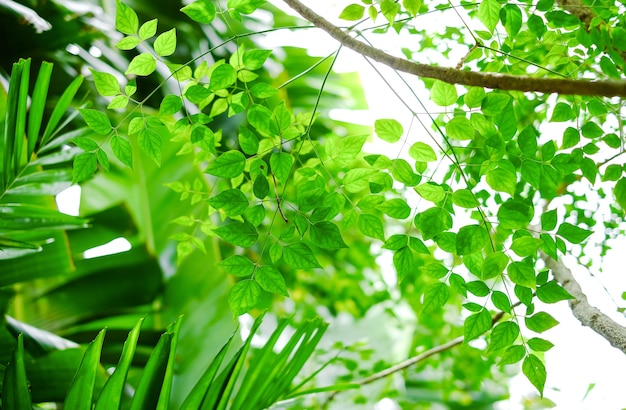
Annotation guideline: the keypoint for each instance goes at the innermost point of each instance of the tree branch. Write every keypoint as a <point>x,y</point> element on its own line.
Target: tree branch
<point>588,315</point>
<point>604,88</point>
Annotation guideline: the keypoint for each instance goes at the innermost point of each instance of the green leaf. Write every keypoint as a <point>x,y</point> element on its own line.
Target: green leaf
<point>501,301</point>
<point>126,20</point>
<point>464,198</point>
<point>525,246</point>
<point>522,274</point>
<point>477,324</point>
<point>106,83</point>
<point>300,256</point>
<point>85,166</point>
<point>489,14</point>
<point>433,221</point>
<point>148,29</point>
<point>552,292</point>
<point>502,336</point>
<point>434,270</point>
<point>326,235</point>
<point>412,6</point>
<point>222,77</point>
<point>431,192</point>
<point>539,345</point>
<point>540,322</point>
<point>396,208</point>
<point>260,187</point>
<point>352,12</point>
<point>259,117</point>
<point>248,142</point>
<point>142,64</point>
<point>515,214</point>
<point>118,102</point>
<point>232,201</point>
<point>358,179</point>
<point>244,296</point>
<point>494,103</point>
<point>165,43</point>
<point>422,152</point>
<point>403,261</point>
<point>238,233</point>
<point>396,242</point>
<point>435,296</point>
<point>494,265</point>
<point>535,371</point>
<point>254,59</point>
<point>511,16</point>
<point>443,94</point>
<point>502,180</point>
<point>122,150</point>
<point>388,130</point>
<point>513,355</point>
<point>237,265</point>
<point>127,43</point>
<point>97,121</point>
<point>371,226</point>
<point>80,393</point>
<point>150,142</point>
<point>620,192</point>
<point>201,11</point>
<point>549,220</point>
<point>270,279</point>
<point>470,239</point>
<point>281,163</point>
<point>230,164</point>
<point>15,391</point>
<point>562,112</point>
<point>572,233</point>
<point>460,128</point>
<point>111,394</point>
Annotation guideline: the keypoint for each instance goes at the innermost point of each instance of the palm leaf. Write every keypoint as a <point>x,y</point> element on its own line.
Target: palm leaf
<point>15,393</point>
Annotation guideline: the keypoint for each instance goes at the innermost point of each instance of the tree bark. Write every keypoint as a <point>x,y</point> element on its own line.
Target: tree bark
<point>601,88</point>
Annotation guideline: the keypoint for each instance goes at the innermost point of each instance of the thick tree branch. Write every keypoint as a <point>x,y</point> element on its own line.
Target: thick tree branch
<point>588,315</point>
<point>604,88</point>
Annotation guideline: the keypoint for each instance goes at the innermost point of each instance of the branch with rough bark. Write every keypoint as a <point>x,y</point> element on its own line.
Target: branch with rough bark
<point>602,88</point>
<point>587,314</point>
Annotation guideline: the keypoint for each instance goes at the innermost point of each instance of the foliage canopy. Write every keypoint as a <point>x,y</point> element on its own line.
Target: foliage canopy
<point>220,163</point>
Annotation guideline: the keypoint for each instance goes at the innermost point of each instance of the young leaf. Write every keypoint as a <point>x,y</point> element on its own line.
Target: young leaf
<point>85,166</point>
<point>513,355</point>
<point>232,201</point>
<point>396,208</point>
<point>503,336</point>
<point>435,296</point>
<point>477,324</point>
<point>300,256</point>
<point>96,120</point>
<point>244,296</point>
<point>238,233</point>
<point>106,83</point>
<point>165,43</point>
<point>222,77</point>
<point>127,43</point>
<point>230,164</point>
<point>460,128</point>
<point>15,391</point>
<point>489,14</point>
<point>539,345</point>
<point>126,20</point>
<point>572,233</point>
<point>371,226</point>
<point>443,94</point>
<point>148,29</point>
<point>535,371</point>
<point>270,279</point>
<point>388,130</point>
<point>470,239</point>
<point>501,301</point>
<point>281,163</point>
<point>552,292</point>
<point>403,261</point>
<point>422,152</point>
<point>150,142</point>
<point>326,235</point>
<point>237,265</point>
<point>352,12</point>
<point>540,322</point>
<point>142,64</point>
<point>122,150</point>
<point>434,270</point>
<point>254,59</point>
<point>522,274</point>
<point>201,11</point>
